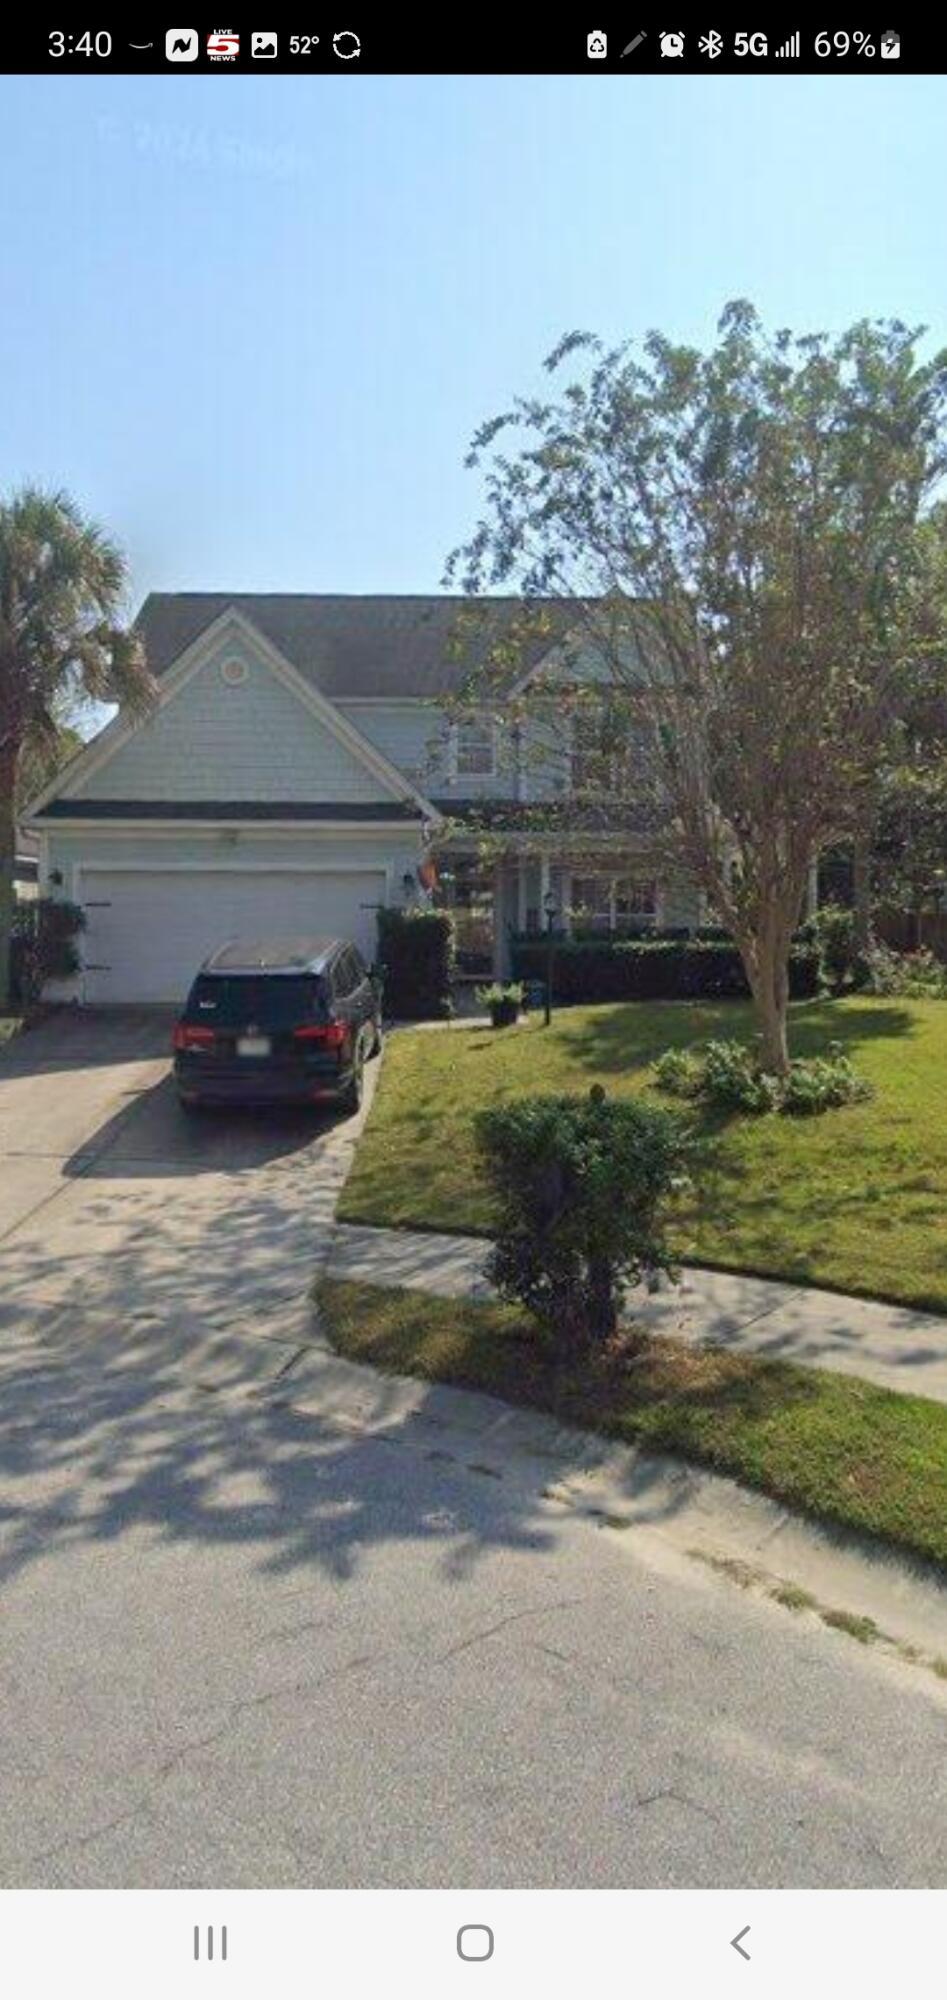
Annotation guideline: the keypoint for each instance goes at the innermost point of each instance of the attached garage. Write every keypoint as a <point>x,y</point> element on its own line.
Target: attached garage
<point>148,929</point>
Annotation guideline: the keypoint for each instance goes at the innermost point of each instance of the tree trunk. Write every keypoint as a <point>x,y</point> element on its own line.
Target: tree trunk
<point>769,985</point>
<point>8,769</point>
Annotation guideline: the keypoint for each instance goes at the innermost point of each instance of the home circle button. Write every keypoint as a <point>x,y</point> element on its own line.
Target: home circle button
<point>475,1942</point>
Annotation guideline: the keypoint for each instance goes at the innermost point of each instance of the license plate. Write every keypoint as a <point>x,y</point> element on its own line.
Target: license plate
<point>253,1045</point>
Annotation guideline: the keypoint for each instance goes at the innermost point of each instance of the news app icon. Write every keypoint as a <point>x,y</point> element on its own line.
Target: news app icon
<point>181,45</point>
<point>223,45</point>
<point>263,47</point>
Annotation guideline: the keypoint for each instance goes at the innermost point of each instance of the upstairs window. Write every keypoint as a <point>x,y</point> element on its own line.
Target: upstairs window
<point>601,751</point>
<point>474,747</point>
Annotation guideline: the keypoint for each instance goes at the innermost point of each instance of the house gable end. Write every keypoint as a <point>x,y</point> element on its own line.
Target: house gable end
<point>234,720</point>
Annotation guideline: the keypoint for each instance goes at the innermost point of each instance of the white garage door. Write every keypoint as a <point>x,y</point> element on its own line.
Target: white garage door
<point>149,929</point>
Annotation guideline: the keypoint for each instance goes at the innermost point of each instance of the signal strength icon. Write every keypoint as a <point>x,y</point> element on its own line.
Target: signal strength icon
<point>789,51</point>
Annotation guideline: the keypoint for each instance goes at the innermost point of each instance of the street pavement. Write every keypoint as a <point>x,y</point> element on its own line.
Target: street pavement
<point>251,1642</point>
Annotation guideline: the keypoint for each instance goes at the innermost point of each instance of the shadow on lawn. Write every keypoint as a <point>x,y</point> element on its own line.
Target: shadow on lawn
<point>629,1034</point>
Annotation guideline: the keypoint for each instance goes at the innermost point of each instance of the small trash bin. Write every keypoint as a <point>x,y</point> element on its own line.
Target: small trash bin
<point>534,994</point>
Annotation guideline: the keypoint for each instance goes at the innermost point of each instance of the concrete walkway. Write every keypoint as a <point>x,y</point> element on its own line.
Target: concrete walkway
<point>885,1344</point>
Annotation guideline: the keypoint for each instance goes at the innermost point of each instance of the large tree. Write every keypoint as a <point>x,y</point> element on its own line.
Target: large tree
<point>736,532</point>
<point>62,587</point>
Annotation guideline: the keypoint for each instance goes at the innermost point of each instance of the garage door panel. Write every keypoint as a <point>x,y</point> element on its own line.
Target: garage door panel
<point>149,929</point>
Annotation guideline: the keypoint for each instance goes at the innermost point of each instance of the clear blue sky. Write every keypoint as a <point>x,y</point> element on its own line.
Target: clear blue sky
<point>251,323</point>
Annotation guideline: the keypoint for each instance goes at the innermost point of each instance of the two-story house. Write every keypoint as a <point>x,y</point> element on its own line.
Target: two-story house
<point>300,768</point>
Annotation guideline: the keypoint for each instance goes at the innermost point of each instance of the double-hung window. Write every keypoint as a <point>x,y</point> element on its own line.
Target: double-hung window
<point>474,747</point>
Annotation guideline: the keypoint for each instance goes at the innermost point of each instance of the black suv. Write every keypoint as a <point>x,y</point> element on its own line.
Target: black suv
<point>288,1022</point>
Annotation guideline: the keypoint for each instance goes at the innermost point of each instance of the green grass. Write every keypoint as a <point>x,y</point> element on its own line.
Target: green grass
<point>828,1445</point>
<point>855,1199</point>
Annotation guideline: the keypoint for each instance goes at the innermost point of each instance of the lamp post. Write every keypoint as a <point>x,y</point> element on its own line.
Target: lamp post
<point>549,908</point>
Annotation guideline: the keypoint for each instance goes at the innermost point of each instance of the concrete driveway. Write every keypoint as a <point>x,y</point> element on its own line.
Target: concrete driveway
<point>125,1221</point>
<point>248,1640</point>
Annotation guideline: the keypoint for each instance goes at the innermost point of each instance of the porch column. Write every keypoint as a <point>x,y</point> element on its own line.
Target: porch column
<point>521,886</point>
<point>499,921</point>
<point>544,878</point>
<point>812,890</point>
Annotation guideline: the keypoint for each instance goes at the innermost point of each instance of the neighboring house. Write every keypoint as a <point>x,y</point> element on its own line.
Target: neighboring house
<point>298,772</point>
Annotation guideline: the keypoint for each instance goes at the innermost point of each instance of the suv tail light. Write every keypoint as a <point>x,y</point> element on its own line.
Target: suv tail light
<point>187,1037</point>
<point>331,1034</point>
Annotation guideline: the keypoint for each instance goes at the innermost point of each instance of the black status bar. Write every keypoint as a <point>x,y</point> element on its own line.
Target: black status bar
<point>342,44</point>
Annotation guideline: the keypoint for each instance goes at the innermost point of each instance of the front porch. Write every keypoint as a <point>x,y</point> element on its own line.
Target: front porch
<point>517,893</point>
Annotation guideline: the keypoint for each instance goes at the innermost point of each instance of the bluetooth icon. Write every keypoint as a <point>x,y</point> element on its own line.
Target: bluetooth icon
<point>711,45</point>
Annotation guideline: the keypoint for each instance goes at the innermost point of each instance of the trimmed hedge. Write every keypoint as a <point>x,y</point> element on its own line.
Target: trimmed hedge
<point>416,960</point>
<point>652,969</point>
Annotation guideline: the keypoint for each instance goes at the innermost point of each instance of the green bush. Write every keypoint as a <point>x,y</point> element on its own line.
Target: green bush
<point>654,968</point>
<point>906,975</point>
<point>43,946</point>
<point>416,959</point>
<point>680,1072</point>
<point>728,1074</point>
<point>580,1186</point>
<point>497,994</point>
<point>734,1079</point>
<point>830,932</point>
<point>819,1083</point>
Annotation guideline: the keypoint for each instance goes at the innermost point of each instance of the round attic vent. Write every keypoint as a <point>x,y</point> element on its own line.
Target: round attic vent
<point>234,672</point>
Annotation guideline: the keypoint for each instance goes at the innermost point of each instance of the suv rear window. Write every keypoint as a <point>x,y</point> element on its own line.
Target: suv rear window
<point>281,1000</point>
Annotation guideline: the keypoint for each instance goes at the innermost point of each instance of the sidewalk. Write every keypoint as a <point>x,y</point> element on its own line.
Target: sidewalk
<point>889,1345</point>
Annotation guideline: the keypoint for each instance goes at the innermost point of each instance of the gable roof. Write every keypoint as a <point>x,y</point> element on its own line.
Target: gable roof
<point>368,647</point>
<point>230,621</point>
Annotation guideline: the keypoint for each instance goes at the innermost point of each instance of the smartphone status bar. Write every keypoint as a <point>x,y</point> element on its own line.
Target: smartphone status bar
<point>347,46</point>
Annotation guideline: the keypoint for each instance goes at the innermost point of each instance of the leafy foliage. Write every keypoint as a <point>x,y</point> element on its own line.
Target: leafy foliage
<point>62,584</point>
<point>830,931</point>
<point>736,533</point>
<point>497,994</point>
<point>728,1074</point>
<point>910,975</point>
<point>580,1186</point>
<point>654,969</point>
<point>416,957</point>
<point>43,946</point>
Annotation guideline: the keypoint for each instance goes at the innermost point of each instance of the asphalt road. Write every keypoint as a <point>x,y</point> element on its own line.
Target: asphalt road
<point>241,1646</point>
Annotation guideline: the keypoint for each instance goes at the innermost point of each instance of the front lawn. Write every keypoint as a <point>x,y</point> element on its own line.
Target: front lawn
<point>832,1447</point>
<point>855,1199</point>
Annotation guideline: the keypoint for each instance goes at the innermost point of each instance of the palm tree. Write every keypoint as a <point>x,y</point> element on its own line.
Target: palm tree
<point>62,582</point>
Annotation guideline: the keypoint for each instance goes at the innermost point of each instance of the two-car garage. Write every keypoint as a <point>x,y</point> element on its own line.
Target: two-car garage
<point>148,929</point>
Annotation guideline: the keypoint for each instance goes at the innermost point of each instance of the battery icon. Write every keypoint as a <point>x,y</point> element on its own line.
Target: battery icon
<point>890,46</point>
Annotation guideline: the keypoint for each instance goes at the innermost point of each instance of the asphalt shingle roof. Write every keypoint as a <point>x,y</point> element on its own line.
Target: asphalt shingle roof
<point>358,646</point>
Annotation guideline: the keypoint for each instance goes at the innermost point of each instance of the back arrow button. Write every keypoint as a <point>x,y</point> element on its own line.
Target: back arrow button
<point>737,1946</point>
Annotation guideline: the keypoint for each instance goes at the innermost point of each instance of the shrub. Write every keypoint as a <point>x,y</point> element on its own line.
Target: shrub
<point>734,1079</point>
<point>830,932</point>
<point>496,995</point>
<point>819,1083</point>
<point>416,959</point>
<point>907,975</point>
<point>680,1072</point>
<point>580,1185</point>
<point>654,968</point>
<point>728,1074</point>
<point>43,946</point>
